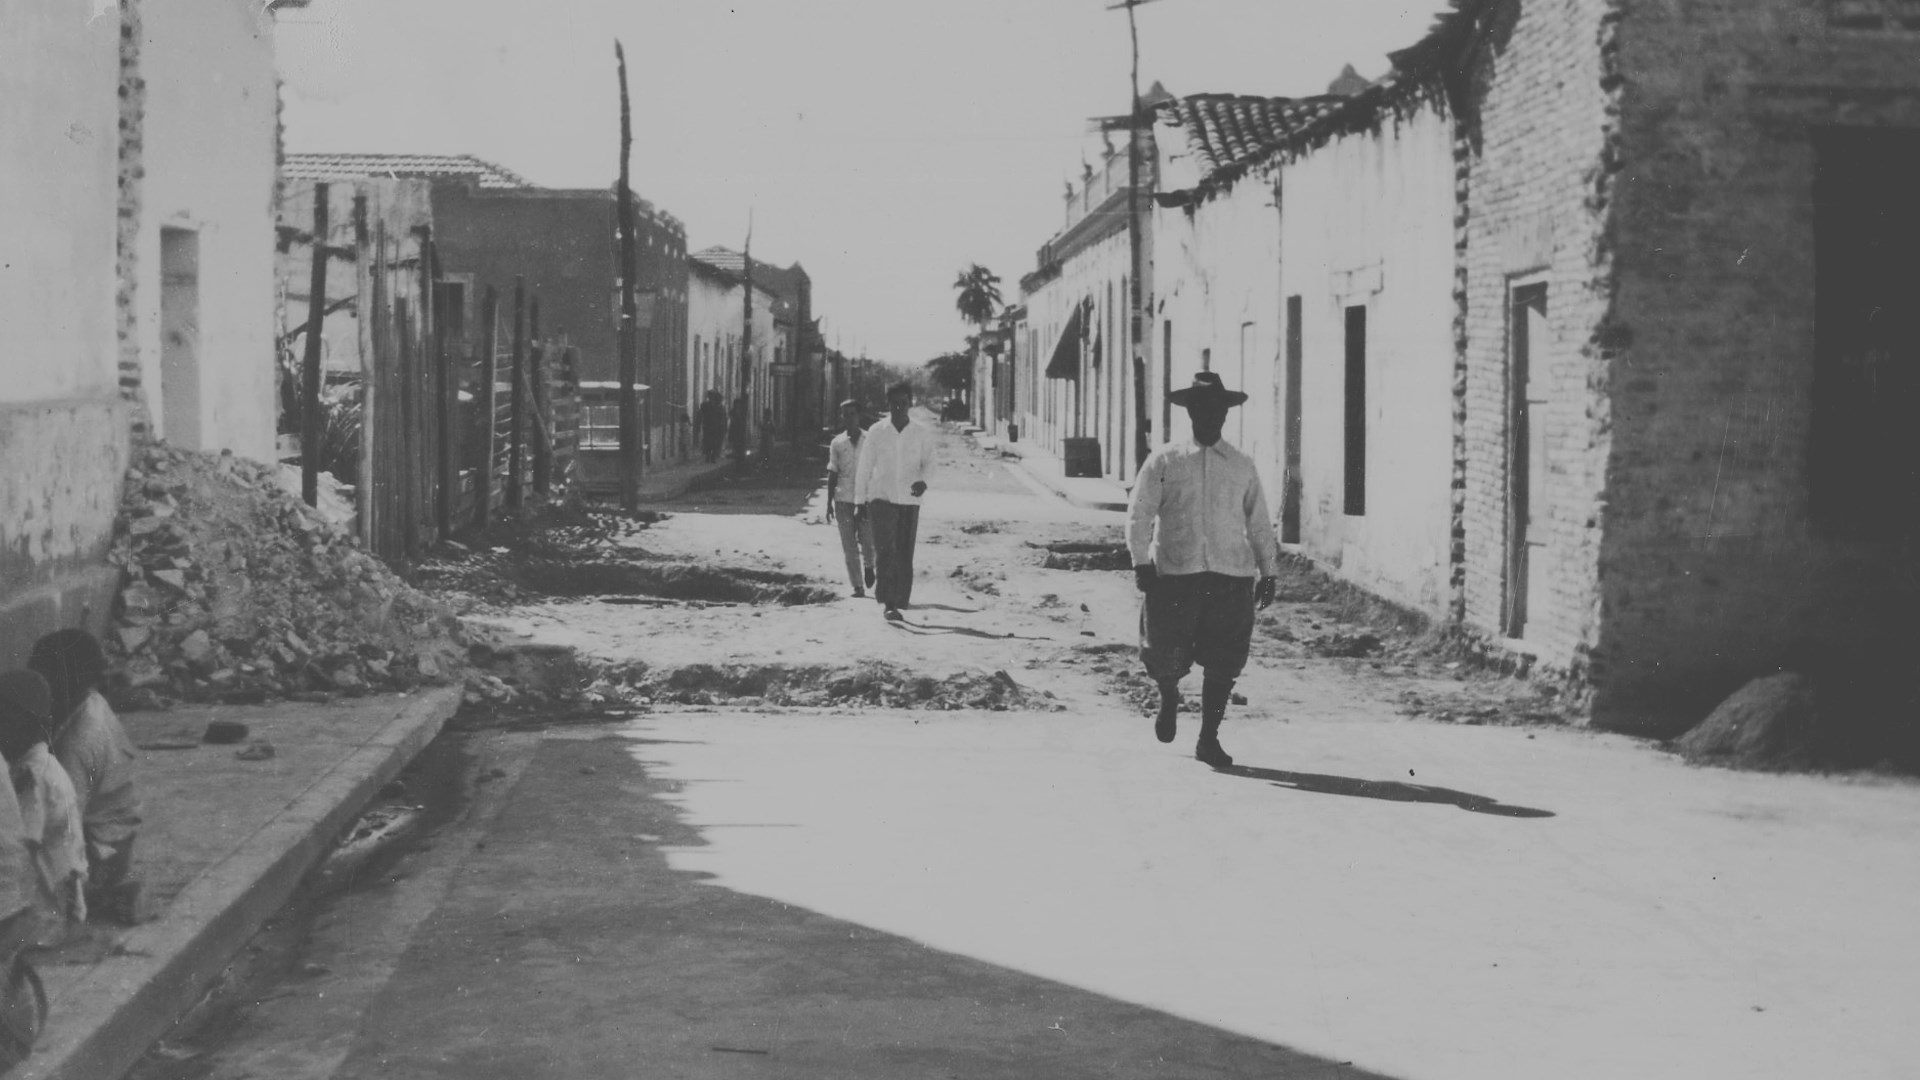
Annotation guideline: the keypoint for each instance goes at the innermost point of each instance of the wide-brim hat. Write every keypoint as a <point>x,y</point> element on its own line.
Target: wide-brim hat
<point>1206,387</point>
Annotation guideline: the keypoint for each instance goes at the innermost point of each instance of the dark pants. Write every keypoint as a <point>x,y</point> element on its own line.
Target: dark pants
<point>894,527</point>
<point>1188,619</point>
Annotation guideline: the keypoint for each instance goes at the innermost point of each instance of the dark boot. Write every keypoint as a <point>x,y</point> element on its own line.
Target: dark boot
<point>1164,724</point>
<point>1214,695</point>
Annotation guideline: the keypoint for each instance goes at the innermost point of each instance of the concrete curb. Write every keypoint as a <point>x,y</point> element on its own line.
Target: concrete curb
<point>102,1025</point>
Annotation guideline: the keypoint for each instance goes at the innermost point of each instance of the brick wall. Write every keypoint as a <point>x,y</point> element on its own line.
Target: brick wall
<point>1711,571</point>
<point>1538,168</point>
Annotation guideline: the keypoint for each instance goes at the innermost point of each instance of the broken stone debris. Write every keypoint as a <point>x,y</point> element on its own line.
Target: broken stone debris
<point>233,590</point>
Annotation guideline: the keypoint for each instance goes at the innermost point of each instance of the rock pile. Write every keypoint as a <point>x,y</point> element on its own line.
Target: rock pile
<point>235,591</point>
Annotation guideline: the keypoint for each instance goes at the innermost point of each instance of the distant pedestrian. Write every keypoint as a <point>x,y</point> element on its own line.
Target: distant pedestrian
<point>49,812</point>
<point>712,423</point>
<point>90,744</point>
<point>737,428</point>
<point>1199,534</point>
<point>766,437</point>
<point>894,466</point>
<point>856,530</point>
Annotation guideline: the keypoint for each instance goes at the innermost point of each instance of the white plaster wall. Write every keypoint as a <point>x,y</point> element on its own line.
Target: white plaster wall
<point>1100,272</point>
<point>1215,271</point>
<point>210,166</point>
<point>1368,219</point>
<point>715,315</point>
<point>59,122</point>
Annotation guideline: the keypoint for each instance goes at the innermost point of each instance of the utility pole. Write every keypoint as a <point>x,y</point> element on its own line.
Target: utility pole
<point>746,342</point>
<point>1136,119</point>
<point>629,317</point>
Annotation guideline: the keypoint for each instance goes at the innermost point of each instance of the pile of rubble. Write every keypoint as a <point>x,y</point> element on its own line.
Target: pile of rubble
<point>235,591</point>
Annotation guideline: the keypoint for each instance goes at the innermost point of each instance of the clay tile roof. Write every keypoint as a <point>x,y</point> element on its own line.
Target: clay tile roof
<point>402,166</point>
<point>1233,131</point>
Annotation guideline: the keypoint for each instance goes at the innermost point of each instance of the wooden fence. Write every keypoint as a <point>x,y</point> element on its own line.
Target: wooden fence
<point>456,426</point>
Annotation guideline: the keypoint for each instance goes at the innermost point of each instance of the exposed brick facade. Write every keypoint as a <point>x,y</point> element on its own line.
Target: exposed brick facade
<point>1712,569</point>
<point>1652,165</point>
<point>1539,126</point>
<point>133,111</point>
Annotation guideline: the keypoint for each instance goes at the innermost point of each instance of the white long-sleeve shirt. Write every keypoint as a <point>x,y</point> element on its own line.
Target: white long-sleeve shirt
<point>50,818</point>
<point>1198,509</point>
<point>891,461</point>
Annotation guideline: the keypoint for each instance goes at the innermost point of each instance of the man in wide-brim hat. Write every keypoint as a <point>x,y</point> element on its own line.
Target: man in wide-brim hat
<point>1204,556</point>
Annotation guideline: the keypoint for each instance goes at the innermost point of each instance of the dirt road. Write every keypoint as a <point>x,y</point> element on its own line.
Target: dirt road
<point>798,841</point>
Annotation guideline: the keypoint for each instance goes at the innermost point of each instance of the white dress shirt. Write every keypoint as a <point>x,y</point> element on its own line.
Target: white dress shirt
<point>892,460</point>
<point>843,462</point>
<point>1198,509</point>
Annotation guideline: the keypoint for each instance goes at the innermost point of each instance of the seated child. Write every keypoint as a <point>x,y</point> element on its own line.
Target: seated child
<point>90,744</point>
<point>49,814</point>
<point>23,1000</point>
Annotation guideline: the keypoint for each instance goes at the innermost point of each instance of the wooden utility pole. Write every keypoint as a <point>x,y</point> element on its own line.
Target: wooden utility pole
<point>310,359</point>
<point>746,344</point>
<point>629,316</point>
<point>1137,118</point>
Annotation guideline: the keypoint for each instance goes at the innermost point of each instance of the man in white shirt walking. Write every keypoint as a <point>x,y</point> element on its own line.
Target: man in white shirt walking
<point>843,466</point>
<point>1204,556</point>
<point>894,466</point>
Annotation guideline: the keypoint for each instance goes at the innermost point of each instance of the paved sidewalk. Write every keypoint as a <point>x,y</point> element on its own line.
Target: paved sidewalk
<point>226,841</point>
<point>1088,493</point>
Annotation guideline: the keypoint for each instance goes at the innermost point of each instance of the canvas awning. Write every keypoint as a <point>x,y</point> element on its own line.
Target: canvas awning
<point>1065,361</point>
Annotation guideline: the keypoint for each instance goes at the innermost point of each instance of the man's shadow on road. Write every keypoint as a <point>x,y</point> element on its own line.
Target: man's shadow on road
<point>1389,790</point>
<point>927,629</point>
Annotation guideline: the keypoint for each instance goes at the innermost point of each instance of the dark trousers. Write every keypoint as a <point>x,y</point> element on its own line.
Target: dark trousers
<point>894,528</point>
<point>1188,619</point>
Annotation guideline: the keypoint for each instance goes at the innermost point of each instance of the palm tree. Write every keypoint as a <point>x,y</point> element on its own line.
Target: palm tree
<point>979,295</point>
<point>978,302</point>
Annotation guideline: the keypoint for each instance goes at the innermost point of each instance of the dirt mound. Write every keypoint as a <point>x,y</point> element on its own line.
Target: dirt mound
<point>1770,723</point>
<point>235,591</point>
<point>573,553</point>
<point>871,684</point>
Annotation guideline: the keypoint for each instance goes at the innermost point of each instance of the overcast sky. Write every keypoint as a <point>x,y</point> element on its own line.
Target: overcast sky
<point>885,144</point>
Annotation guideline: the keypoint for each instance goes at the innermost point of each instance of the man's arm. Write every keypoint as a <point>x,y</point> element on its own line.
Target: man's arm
<point>923,464</point>
<point>1266,545</point>
<point>863,471</point>
<point>1142,508</point>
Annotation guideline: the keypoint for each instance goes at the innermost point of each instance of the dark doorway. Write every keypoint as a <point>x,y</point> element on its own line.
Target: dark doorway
<point>1356,412</point>
<point>1526,451</point>
<point>1865,473</point>
<point>1290,490</point>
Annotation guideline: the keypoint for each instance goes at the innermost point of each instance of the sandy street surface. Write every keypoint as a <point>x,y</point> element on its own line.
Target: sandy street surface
<point>820,845</point>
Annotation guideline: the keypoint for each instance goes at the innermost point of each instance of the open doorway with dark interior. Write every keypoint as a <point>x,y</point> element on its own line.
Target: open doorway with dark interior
<point>1865,473</point>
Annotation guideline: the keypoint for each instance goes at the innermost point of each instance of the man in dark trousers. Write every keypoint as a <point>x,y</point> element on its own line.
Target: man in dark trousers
<point>737,428</point>
<point>893,470</point>
<point>1204,556</point>
<point>712,424</point>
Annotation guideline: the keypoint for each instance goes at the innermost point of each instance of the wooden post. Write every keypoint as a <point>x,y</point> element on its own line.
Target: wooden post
<point>407,473</point>
<point>629,269</point>
<point>516,428</point>
<point>483,401</point>
<point>446,403</point>
<point>310,359</point>
<point>542,409</point>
